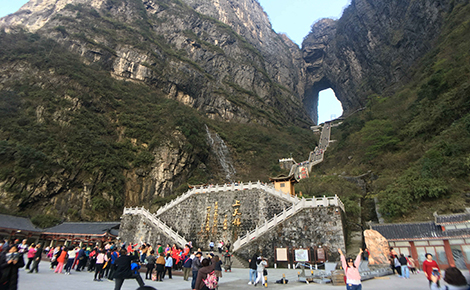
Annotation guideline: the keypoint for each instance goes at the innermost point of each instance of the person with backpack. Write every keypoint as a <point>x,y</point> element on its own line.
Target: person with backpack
<point>261,266</point>
<point>405,271</point>
<point>114,256</point>
<point>351,271</point>
<point>453,277</point>
<point>206,278</point>
<point>187,263</point>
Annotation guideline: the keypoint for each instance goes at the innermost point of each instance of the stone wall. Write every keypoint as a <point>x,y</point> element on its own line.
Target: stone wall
<point>309,228</point>
<point>189,218</point>
<point>137,228</point>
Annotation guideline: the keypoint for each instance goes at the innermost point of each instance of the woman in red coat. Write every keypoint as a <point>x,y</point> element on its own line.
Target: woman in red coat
<point>429,266</point>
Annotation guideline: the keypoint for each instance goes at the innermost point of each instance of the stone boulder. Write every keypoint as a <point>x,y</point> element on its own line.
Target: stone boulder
<point>377,246</point>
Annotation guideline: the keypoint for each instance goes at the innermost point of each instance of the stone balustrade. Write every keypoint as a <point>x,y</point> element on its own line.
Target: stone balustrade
<point>156,221</point>
<point>228,187</point>
<point>296,207</point>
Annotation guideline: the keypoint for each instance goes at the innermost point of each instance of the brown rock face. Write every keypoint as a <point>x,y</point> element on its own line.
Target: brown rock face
<point>377,246</point>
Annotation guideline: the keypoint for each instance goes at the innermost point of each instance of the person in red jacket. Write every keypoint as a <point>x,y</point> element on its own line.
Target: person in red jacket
<point>429,266</point>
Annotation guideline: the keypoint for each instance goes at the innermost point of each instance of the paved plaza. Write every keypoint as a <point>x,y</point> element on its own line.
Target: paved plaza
<point>46,279</point>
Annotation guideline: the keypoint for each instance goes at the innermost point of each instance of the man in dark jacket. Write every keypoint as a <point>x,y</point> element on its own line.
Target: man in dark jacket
<point>82,258</point>
<point>405,271</point>
<point>36,259</point>
<point>123,269</point>
<point>196,265</point>
<point>253,266</point>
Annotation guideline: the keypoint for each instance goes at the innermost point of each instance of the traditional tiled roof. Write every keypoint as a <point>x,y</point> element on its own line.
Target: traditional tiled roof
<point>418,231</point>
<point>17,223</point>
<point>85,228</point>
<point>452,218</point>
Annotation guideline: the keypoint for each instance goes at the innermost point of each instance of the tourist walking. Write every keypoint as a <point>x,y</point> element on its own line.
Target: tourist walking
<point>220,246</point>
<point>429,267</point>
<point>397,265</point>
<point>123,269</point>
<point>453,277</point>
<point>30,255</point>
<point>405,271</point>
<point>71,253</point>
<point>412,264</point>
<point>351,271</point>
<point>36,259</point>
<point>62,255</point>
<point>253,267</point>
<point>262,264</point>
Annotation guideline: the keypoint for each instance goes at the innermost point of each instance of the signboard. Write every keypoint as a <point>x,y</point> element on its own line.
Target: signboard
<point>281,255</point>
<point>301,255</point>
<point>321,254</point>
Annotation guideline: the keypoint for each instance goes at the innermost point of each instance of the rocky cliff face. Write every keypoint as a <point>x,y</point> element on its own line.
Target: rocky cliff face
<point>221,57</point>
<point>370,48</point>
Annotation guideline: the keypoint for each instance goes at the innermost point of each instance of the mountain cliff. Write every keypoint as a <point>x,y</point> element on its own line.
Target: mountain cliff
<point>112,103</point>
<point>370,49</point>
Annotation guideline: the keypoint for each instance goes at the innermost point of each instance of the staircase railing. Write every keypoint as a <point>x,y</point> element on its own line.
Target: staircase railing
<point>228,187</point>
<point>286,213</point>
<point>168,231</point>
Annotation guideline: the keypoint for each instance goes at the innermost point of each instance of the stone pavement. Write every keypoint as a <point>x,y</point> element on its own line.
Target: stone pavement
<point>237,279</point>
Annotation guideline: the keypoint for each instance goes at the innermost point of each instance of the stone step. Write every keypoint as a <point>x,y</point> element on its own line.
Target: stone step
<point>238,262</point>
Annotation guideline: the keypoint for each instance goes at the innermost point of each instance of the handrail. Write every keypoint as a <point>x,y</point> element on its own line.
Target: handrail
<point>228,187</point>
<point>164,227</point>
<point>295,208</point>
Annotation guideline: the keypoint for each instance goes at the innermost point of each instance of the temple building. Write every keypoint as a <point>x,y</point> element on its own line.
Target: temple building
<point>447,238</point>
<point>284,184</point>
<point>67,233</point>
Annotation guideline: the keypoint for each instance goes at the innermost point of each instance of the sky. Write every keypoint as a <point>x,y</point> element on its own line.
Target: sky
<point>293,17</point>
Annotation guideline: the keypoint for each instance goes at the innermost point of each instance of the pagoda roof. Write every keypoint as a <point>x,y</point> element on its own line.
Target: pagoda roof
<point>282,177</point>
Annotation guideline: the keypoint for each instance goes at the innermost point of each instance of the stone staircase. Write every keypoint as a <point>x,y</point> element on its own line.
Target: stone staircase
<point>316,156</point>
<point>238,262</point>
<point>166,230</point>
<point>286,213</point>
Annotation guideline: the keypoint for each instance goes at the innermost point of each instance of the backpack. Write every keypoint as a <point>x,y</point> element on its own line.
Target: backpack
<point>211,280</point>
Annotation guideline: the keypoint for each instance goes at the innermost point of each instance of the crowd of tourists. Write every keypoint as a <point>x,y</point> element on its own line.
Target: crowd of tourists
<point>121,262</point>
<point>114,262</point>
